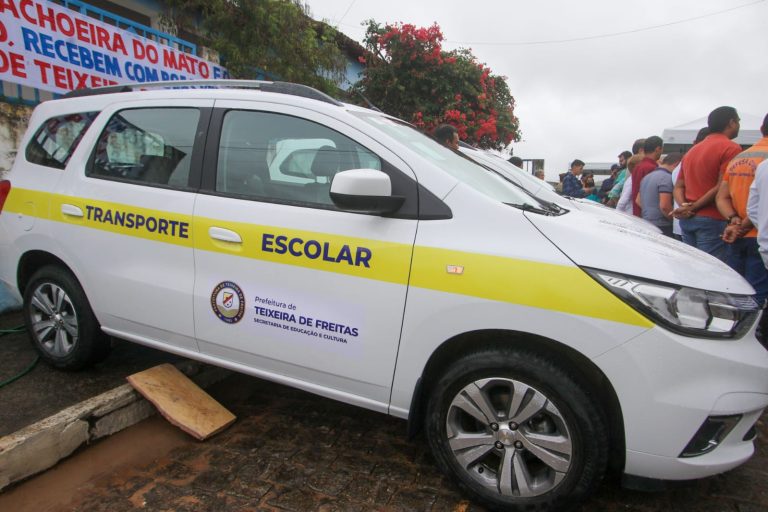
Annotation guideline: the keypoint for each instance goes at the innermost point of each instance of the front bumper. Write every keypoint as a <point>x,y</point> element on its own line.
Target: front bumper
<point>668,385</point>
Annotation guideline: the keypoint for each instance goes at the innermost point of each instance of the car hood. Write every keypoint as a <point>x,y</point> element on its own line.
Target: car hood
<point>612,216</point>
<point>601,243</point>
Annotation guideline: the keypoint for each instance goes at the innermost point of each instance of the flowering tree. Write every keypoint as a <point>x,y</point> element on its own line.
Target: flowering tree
<point>408,75</point>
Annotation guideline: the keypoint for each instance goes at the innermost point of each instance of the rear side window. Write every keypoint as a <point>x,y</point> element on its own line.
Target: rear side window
<point>151,146</point>
<point>58,137</point>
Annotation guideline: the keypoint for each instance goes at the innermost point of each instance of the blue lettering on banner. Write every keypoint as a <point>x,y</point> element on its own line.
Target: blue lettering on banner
<point>314,249</point>
<point>70,53</point>
<point>139,73</point>
<point>171,76</point>
<point>130,220</point>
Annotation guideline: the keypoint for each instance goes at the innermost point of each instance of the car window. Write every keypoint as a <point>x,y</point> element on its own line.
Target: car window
<point>292,160</point>
<point>280,158</point>
<point>58,137</point>
<point>149,146</point>
<point>368,160</point>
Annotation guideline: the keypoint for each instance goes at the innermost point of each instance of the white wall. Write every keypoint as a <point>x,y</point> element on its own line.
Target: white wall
<point>13,124</point>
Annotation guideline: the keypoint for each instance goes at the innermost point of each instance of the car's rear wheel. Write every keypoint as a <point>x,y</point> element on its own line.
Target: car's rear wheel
<point>517,432</point>
<point>60,322</point>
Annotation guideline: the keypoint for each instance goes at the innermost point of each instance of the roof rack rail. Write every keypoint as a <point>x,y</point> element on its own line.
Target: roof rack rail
<point>278,87</point>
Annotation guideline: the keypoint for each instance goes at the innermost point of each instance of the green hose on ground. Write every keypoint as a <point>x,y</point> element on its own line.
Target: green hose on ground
<point>28,369</point>
<point>20,328</point>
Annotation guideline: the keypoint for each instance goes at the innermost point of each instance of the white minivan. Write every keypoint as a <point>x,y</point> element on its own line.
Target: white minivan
<point>536,346</point>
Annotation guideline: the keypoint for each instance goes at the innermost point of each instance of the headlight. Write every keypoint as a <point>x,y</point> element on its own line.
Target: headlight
<point>687,311</point>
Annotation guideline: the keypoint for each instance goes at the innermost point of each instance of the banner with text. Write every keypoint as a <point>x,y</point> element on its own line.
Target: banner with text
<point>53,48</point>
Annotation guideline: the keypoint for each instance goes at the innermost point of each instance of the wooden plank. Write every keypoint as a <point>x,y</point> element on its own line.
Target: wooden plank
<point>181,401</point>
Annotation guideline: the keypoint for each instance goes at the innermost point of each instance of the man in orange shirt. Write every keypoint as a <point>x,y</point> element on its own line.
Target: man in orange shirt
<point>697,184</point>
<point>741,236</point>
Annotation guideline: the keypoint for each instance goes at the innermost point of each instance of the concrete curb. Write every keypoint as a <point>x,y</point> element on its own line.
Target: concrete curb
<point>41,445</point>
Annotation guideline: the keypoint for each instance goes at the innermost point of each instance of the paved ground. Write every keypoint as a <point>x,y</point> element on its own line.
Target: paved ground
<point>45,391</point>
<point>292,451</point>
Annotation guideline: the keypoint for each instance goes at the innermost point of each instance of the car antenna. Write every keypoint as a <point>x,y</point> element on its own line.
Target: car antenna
<point>368,102</point>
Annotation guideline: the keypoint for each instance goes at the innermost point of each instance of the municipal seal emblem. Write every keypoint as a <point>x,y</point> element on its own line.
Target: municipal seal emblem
<point>228,302</point>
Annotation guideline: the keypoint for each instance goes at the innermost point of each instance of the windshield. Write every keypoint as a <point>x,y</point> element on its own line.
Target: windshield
<point>483,180</point>
<point>539,188</point>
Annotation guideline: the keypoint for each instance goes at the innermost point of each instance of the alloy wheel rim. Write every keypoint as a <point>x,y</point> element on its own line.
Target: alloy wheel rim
<point>53,320</point>
<point>509,437</point>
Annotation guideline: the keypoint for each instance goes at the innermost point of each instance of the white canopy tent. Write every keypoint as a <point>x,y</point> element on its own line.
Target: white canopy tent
<point>680,138</point>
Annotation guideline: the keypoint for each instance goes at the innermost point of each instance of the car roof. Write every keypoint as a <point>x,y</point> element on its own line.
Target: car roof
<point>243,90</point>
<point>211,85</point>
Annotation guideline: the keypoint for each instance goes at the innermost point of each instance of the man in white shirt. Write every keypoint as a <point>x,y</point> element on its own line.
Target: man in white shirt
<point>625,200</point>
<point>757,211</point>
<point>677,231</point>
<point>757,208</point>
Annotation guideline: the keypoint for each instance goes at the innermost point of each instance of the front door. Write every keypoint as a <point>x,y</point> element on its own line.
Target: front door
<point>287,285</point>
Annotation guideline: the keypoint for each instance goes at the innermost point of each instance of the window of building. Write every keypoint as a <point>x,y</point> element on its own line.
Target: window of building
<point>121,11</point>
<point>281,158</point>
<point>58,137</point>
<point>149,145</point>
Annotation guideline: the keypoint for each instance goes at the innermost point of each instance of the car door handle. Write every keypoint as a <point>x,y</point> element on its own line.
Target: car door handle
<point>225,235</point>
<point>71,210</point>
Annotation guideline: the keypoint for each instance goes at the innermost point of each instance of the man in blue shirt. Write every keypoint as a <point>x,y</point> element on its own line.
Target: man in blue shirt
<point>607,184</point>
<point>655,195</point>
<point>572,186</point>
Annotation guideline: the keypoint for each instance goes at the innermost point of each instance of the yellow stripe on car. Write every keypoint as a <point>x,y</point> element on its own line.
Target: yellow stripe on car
<point>540,285</point>
<point>530,283</point>
<point>117,218</point>
<point>371,259</point>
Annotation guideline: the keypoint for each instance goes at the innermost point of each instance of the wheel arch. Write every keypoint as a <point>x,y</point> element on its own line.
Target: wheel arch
<point>575,363</point>
<point>31,261</point>
<point>85,343</point>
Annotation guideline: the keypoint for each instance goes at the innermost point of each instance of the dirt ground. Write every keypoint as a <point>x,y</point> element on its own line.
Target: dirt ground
<point>292,451</point>
<point>45,391</point>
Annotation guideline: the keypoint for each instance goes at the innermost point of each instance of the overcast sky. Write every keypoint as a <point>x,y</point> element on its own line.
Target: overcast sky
<point>591,98</point>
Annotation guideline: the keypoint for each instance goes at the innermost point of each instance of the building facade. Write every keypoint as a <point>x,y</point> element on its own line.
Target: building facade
<point>48,48</point>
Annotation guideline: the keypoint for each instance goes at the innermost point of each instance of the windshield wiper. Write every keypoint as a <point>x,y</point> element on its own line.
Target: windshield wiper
<point>554,207</point>
<point>527,207</point>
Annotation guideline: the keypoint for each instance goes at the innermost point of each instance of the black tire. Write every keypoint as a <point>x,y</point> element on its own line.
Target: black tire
<point>60,322</point>
<point>489,459</point>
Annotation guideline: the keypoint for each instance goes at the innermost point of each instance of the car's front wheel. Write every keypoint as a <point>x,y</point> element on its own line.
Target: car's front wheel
<point>517,431</point>
<point>60,321</point>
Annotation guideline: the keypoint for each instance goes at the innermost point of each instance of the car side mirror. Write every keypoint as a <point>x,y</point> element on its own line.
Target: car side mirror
<point>364,191</point>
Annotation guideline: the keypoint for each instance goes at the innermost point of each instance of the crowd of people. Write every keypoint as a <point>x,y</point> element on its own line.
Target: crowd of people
<point>709,197</point>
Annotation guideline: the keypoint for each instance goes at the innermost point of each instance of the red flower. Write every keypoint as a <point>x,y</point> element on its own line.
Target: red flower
<point>430,78</point>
